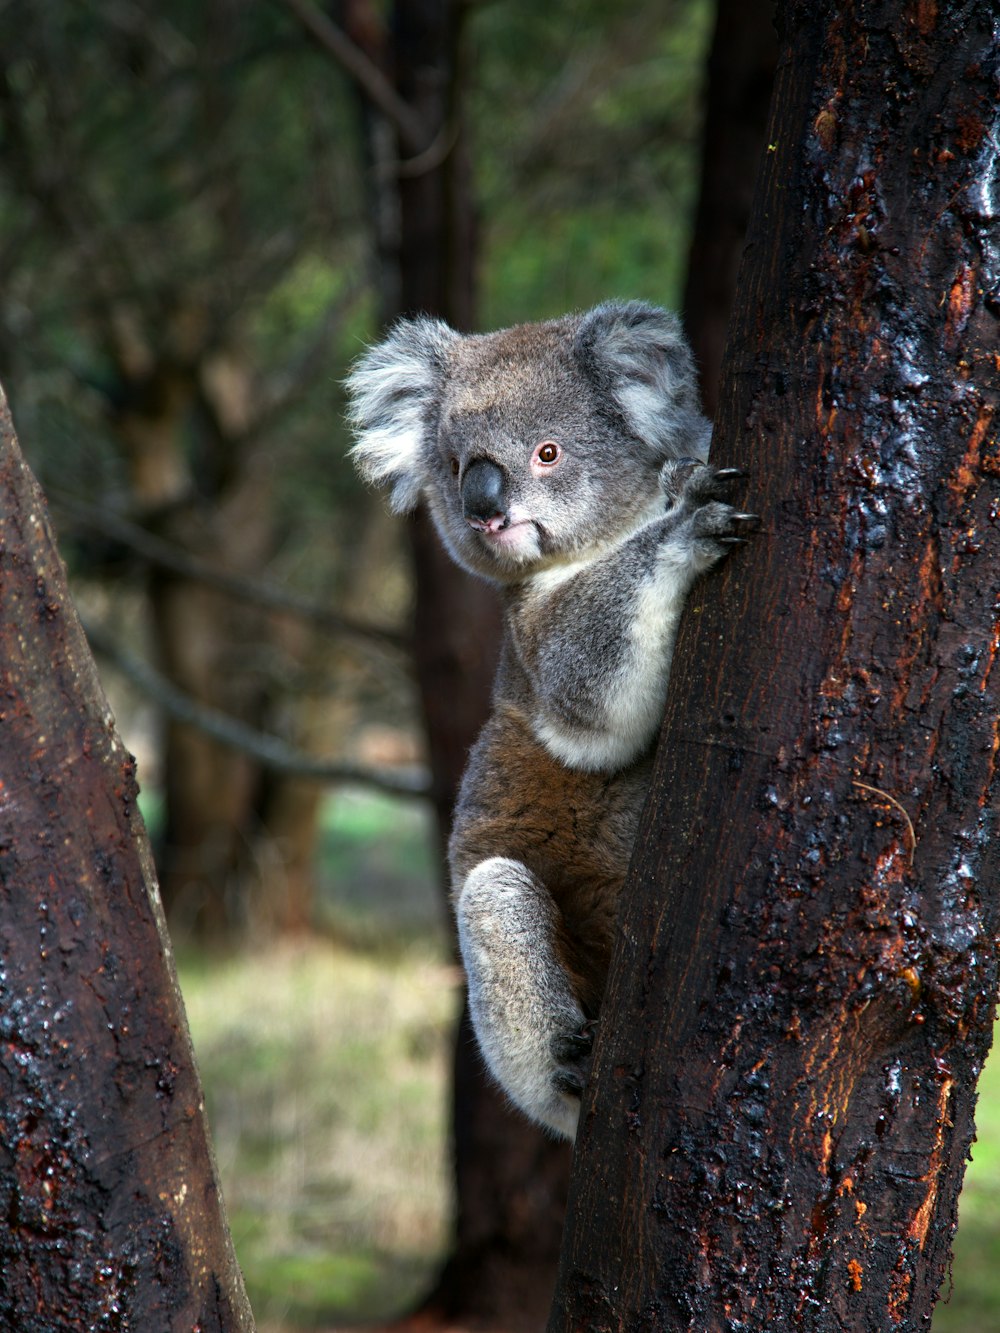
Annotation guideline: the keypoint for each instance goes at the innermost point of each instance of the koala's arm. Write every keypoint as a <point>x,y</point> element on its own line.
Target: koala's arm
<point>595,641</point>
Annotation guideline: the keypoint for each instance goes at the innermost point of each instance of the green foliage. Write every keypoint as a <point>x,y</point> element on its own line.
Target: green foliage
<point>971,1300</point>
<point>378,880</point>
<point>576,259</point>
<point>588,174</point>
<point>173,185</point>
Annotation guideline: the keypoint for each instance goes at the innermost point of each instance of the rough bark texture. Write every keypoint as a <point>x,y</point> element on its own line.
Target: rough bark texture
<point>112,1217</point>
<point>737,99</point>
<point>804,985</point>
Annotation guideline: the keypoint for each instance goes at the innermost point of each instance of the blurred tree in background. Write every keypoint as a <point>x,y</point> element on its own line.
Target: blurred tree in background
<point>189,223</point>
<point>183,246</point>
<point>205,212</point>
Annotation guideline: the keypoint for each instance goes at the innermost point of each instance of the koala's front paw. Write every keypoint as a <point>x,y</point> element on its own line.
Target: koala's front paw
<point>692,483</point>
<point>676,474</point>
<point>700,494</point>
<point>572,1052</point>
<point>724,524</point>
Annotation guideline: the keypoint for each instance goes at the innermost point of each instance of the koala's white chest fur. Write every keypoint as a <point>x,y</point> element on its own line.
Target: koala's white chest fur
<point>562,461</point>
<point>634,679</point>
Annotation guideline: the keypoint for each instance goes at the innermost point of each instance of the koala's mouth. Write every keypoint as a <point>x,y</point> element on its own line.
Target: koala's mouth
<point>498,523</point>
<point>518,538</point>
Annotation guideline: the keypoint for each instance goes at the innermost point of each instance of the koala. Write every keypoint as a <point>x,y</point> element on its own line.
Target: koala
<point>564,461</point>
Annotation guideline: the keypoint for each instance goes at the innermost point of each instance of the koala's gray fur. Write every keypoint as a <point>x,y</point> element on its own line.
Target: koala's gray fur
<point>564,461</point>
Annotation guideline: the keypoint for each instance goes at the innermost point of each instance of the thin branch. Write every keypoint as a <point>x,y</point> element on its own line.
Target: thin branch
<point>274,753</point>
<point>433,155</point>
<point>901,808</point>
<point>165,555</point>
<point>365,73</point>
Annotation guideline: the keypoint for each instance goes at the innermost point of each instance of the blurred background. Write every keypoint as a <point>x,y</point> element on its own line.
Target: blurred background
<point>206,209</point>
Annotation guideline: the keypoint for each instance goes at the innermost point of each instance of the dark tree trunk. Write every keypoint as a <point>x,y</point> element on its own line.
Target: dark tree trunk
<point>111,1210</point>
<point>803,990</point>
<point>510,1181</point>
<point>740,77</point>
<point>212,795</point>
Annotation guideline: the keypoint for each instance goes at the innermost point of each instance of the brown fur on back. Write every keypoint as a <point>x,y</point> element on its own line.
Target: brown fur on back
<point>574,830</point>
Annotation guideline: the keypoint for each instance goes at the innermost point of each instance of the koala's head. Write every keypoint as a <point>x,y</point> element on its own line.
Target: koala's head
<point>534,445</point>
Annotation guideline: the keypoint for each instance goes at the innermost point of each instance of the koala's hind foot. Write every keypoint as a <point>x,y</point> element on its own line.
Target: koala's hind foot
<point>532,1031</point>
<point>705,519</point>
<point>572,1052</point>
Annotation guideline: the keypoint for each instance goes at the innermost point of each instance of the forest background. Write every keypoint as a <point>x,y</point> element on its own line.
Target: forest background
<point>189,235</point>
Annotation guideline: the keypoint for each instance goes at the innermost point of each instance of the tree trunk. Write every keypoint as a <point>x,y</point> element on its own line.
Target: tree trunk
<point>510,1181</point>
<point>740,77</point>
<point>213,649</point>
<point>803,989</point>
<point>111,1205</point>
<point>225,818</point>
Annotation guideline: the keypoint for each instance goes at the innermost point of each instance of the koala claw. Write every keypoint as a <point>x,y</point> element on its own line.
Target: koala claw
<point>746,522</point>
<point>569,1082</point>
<point>572,1047</point>
<point>730,474</point>
<point>571,1051</point>
<point>743,524</point>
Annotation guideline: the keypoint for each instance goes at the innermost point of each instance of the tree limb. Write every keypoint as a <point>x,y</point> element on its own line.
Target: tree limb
<point>113,1211</point>
<point>270,751</point>
<point>365,73</point>
<point>166,555</point>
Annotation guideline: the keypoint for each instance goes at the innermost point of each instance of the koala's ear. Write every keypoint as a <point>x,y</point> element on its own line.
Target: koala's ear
<point>637,353</point>
<point>391,387</point>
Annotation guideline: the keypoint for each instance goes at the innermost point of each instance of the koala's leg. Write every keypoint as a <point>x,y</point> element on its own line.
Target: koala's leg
<point>531,1028</point>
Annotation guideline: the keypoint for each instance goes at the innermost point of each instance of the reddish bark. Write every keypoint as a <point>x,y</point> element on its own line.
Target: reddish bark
<point>108,1191</point>
<point>803,991</point>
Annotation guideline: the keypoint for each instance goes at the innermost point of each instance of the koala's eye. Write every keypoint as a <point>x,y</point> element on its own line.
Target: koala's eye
<point>547,453</point>
<point>454,467</point>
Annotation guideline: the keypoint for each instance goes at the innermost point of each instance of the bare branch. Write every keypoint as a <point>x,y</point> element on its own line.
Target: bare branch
<point>165,555</point>
<point>274,753</point>
<point>433,155</point>
<point>365,73</point>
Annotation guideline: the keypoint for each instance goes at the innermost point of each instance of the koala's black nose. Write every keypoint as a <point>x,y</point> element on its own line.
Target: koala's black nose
<point>484,502</point>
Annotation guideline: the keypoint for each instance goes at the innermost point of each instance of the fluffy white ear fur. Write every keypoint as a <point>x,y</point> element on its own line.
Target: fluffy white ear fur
<point>391,388</point>
<point>638,353</point>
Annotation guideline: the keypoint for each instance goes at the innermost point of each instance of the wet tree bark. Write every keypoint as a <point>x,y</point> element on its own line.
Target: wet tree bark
<point>111,1210</point>
<point>804,985</point>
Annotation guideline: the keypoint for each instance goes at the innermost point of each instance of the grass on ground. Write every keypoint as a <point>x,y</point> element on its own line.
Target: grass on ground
<point>325,1073</point>
<point>973,1305</point>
